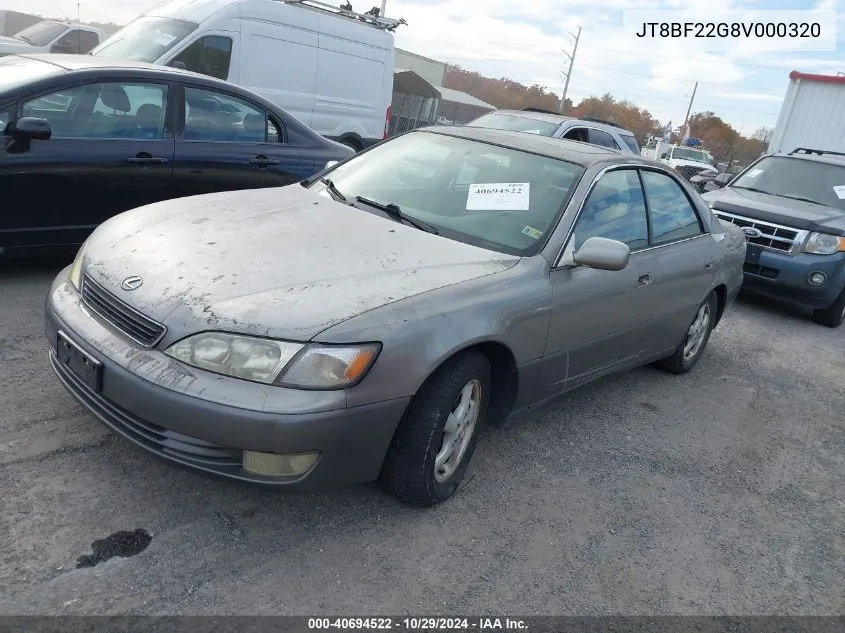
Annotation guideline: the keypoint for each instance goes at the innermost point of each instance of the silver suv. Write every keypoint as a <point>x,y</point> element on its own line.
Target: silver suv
<point>536,121</point>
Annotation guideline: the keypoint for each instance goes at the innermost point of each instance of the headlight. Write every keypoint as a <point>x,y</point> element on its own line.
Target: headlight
<point>76,268</point>
<point>267,361</point>
<point>824,244</point>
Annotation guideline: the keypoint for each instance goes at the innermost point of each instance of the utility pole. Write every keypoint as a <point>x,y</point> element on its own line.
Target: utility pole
<point>689,109</point>
<point>569,73</point>
<point>383,5</point>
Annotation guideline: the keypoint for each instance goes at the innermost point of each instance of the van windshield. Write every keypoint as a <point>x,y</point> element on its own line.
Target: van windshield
<point>145,39</point>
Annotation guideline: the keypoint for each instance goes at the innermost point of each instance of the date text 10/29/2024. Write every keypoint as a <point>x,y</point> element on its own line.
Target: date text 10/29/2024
<point>418,624</point>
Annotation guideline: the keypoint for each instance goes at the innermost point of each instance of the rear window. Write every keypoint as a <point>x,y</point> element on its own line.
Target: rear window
<point>19,71</point>
<point>515,123</point>
<point>631,142</point>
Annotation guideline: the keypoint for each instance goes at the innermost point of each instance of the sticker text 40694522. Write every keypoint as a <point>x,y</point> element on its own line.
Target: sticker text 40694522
<point>498,196</point>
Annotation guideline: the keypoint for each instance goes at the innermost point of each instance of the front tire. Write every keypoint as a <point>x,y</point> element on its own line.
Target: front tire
<point>832,316</point>
<point>436,438</point>
<point>686,355</point>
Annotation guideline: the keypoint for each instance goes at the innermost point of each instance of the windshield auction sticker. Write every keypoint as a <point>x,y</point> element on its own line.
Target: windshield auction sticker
<point>498,196</point>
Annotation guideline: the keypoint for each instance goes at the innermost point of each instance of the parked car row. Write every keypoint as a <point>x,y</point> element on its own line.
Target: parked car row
<point>87,138</point>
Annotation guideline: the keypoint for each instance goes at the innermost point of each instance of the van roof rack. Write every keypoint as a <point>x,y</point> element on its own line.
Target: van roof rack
<point>371,17</point>
<point>818,152</point>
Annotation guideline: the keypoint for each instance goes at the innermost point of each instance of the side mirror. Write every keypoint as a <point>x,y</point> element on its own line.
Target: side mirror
<point>723,179</point>
<point>29,129</point>
<point>178,65</point>
<point>603,253</point>
<point>63,48</point>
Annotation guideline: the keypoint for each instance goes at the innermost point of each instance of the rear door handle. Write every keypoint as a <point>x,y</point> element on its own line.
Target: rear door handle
<point>145,159</point>
<point>644,279</point>
<point>708,264</point>
<point>263,161</point>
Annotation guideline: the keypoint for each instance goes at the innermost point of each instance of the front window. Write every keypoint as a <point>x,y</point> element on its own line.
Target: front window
<point>683,153</point>
<point>796,178</point>
<point>115,110</point>
<point>145,39</point>
<point>40,33</point>
<point>515,123</point>
<point>209,55</point>
<point>494,197</point>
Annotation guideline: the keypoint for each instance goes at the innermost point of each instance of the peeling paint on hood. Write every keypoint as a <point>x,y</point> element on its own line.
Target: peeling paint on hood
<point>281,262</point>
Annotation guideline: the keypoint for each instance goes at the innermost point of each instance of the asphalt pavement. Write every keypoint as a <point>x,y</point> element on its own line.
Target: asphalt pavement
<point>718,492</point>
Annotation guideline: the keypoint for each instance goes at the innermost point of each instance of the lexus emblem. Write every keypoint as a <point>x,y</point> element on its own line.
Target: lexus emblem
<point>749,233</point>
<point>131,283</point>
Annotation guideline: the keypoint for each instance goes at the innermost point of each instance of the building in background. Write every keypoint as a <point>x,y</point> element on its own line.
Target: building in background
<point>812,115</point>
<point>420,98</point>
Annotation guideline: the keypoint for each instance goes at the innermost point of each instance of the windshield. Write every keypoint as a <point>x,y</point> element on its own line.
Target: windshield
<point>18,71</point>
<point>822,183</point>
<point>497,198</point>
<point>515,123</point>
<point>145,39</point>
<point>41,33</point>
<point>690,154</point>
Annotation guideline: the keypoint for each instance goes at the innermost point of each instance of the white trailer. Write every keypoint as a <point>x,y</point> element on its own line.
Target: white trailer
<point>812,114</point>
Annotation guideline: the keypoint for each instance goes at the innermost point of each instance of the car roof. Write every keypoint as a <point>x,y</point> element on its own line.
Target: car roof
<point>74,62</point>
<point>832,158</point>
<point>584,154</point>
<point>550,117</point>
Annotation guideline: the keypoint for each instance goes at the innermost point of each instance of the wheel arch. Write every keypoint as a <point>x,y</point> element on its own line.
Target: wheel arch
<point>504,375</point>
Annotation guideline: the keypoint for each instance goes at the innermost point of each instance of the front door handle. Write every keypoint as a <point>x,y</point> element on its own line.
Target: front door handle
<point>143,158</point>
<point>644,280</point>
<point>708,264</point>
<point>263,161</point>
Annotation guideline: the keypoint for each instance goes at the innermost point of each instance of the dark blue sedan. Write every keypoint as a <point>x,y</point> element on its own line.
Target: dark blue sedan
<point>86,138</point>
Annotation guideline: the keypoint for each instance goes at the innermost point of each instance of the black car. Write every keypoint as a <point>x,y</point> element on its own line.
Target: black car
<point>86,138</point>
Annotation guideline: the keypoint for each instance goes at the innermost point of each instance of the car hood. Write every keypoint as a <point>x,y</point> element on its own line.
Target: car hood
<point>282,262</point>
<point>11,45</point>
<point>784,211</point>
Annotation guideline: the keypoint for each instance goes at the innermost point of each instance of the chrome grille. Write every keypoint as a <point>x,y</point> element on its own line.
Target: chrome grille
<point>774,237</point>
<point>120,315</point>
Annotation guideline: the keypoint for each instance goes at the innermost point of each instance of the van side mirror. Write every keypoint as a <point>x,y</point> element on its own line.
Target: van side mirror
<point>603,253</point>
<point>178,65</point>
<point>723,179</point>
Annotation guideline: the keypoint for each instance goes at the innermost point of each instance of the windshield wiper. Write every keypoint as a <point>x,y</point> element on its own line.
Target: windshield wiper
<point>25,39</point>
<point>395,212</point>
<point>754,189</point>
<point>333,191</point>
<point>801,198</point>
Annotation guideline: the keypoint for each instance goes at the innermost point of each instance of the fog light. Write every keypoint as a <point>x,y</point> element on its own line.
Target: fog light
<point>278,464</point>
<point>817,278</point>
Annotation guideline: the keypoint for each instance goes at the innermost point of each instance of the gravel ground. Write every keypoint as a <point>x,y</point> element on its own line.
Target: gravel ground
<point>718,492</point>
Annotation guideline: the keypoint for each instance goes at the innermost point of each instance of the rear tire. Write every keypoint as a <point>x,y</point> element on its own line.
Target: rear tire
<point>436,438</point>
<point>686,355</point>
<point>834,315</point>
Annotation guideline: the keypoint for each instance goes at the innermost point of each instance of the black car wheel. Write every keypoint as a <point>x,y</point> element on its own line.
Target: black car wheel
<point>436,438</point>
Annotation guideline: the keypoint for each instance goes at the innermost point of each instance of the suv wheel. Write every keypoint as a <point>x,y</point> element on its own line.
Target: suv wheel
<point>833,315</point>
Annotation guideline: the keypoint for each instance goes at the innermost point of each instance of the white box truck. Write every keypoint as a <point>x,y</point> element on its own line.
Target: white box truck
<point>812,115</point>
<point>328,66</point>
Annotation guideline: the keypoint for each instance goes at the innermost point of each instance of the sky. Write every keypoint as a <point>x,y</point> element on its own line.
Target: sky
<point>526,40</point>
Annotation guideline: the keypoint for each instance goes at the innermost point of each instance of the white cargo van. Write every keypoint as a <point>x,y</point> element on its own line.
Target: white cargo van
<point>330,68</point>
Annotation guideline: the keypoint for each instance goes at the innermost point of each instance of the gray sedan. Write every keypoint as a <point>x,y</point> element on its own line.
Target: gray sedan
<point>365,324</point>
